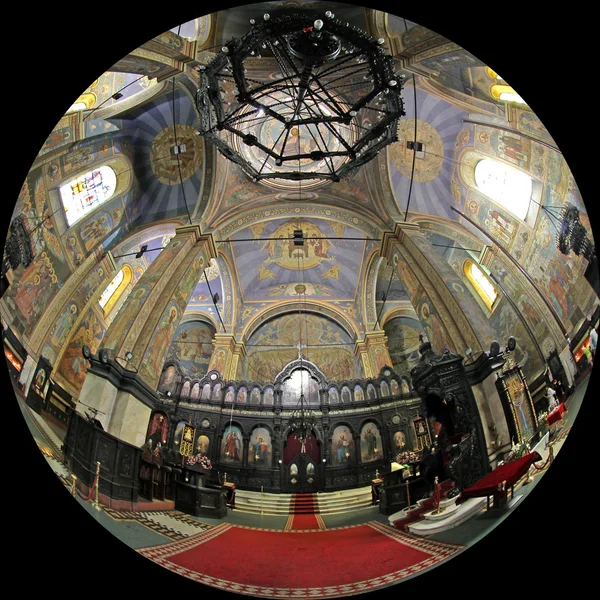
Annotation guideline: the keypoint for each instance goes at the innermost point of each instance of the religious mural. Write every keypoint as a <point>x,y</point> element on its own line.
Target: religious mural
<point>167,379</point>
<point>126,316</point>
<point>229,394</point>
<point>259,451</point>
<point>371,447</point>
<point>271,266</point>
<point>232,445</point>
<point>398,442</point>
<point>326,344</point>
<point>206,289</point>
<point>73,365</point>
<point>342,446</point>
<point>160,341</point>
<point>403,342</point>
<point>346,397</point>
<point>202,444</point>
<point>177,435</point>
<point>268,397</point>
<point>34,287</point>
<point>192,346</point>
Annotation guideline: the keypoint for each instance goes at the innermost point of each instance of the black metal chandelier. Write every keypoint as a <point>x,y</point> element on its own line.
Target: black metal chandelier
<point>572,235</point>
<point>302,420</point>
<point>19,247</point>
<point>323,96</point>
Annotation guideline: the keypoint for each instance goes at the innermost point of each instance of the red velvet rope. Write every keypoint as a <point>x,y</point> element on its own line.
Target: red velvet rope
<point>89,496</point>
<point>544,465</point>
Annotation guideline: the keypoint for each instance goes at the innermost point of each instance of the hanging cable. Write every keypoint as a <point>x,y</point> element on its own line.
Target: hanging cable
<point>177,155</point>
<point>93,110</point>
<point>412,171</point>
<point>214,301</point>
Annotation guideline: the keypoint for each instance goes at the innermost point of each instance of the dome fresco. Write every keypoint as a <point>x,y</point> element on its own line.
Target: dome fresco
<point>325,303</point>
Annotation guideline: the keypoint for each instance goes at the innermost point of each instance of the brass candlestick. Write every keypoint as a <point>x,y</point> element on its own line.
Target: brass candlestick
<point>438,497</point>
<point>95,503</point>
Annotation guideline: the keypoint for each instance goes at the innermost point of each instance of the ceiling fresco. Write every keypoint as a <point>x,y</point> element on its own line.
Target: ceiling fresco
<point>438,125</point>
<point>270,267</point>
<point>151,131</point>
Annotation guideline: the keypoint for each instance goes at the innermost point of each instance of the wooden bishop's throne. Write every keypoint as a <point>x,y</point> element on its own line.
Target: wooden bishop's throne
<point>447,399</point>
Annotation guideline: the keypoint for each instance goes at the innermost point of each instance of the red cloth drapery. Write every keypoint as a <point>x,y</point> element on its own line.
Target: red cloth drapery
<point>556,414</point>
<point>293,447</point>
<point>508,473</point>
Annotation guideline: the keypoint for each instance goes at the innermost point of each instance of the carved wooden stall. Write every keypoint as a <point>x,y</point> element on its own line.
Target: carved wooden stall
<point>87,444</point>
<point>447,398</point>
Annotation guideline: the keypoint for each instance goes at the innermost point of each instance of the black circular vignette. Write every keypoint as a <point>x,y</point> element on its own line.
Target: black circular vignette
<point>55,54</point>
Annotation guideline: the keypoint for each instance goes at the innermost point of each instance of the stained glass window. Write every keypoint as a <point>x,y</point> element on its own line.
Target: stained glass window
<point>481,283</point>
<point>110,288</point>
<point>87,191</point>
<point>505,185</point>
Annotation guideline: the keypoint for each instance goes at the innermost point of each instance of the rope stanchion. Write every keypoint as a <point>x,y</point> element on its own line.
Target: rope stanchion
<point>93,489</point>
<point>548,461</point>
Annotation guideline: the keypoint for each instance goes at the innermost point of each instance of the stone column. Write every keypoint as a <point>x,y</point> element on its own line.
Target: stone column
<point>148,319</point>
<point>428,279</point>
<point>226,356</point>
<point>145,326</point>
<point>360,351</point>
<point>377,348</point>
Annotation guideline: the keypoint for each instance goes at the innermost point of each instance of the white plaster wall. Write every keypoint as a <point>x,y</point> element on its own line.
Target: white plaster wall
<point>491,413</point>
<point>130,418</point>
<point>566,358</point>
<point>98,393</point>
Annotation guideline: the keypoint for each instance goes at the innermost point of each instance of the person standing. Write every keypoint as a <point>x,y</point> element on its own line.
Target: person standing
<point>551,395</point>
<point>593,340</point>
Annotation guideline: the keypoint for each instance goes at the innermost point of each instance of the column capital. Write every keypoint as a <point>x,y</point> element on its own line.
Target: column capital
<point>198,236</point>
<point>397,235</point>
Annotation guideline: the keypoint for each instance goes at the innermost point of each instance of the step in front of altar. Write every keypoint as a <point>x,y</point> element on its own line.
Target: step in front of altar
<point>324,502</point>
<point>449,518</point>
<point>262,502</point>
<point>343,501</point>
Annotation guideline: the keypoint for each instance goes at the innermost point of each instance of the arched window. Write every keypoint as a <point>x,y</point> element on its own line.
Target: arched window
<point>115,288</point>
<point>505,185</point>
<point>500,90</point>
<point>505,93</point>
<point>84,102</point>
<point>479,280</point>
<point>81,195</point>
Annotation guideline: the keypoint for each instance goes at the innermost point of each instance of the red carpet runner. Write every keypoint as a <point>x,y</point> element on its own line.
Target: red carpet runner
<point>341,562</point>
<point>303,513</point>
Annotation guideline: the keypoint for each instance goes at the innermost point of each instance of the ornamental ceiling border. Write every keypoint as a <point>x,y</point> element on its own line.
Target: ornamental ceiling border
<point>458,99</point>
<point>271,214</point>
<point>404,308</point>
<point>368,296</point>
<point>201,317</point>
<point>115,110</point>
<point>229,296</point>
<point>309,306</point>
<point>450,228</point>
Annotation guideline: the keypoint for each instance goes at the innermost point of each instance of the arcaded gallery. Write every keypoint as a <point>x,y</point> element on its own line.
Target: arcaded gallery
<point>299,299</point>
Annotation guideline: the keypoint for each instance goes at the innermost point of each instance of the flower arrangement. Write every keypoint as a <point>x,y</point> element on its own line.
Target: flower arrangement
<point>517,451</point>
<point>200,459</point>
<point>407,457</point>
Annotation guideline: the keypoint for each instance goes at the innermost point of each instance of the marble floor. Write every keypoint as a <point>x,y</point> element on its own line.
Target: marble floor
<point>72,523</point>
